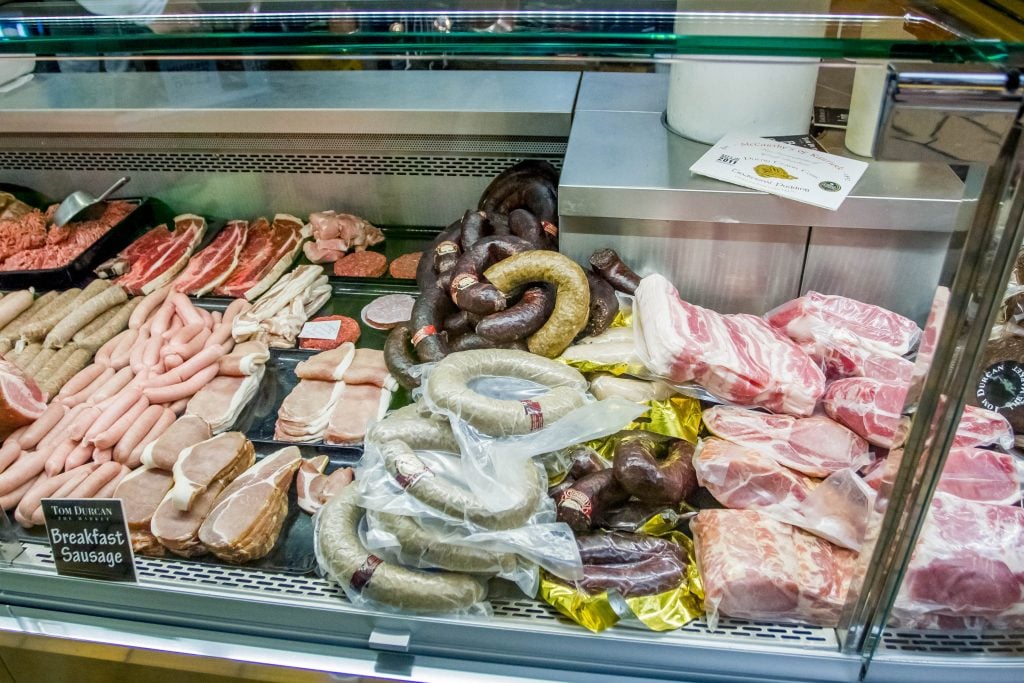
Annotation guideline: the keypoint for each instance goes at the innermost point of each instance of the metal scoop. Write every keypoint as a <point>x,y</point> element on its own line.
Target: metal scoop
<point>77,203</point>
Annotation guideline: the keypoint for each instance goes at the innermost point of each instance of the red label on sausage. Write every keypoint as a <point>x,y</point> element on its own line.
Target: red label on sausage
<point>446,247</point>
<point>550,228</point>
<point>423,333</point>
<point>574,499</point>
<point>534,412</point>
<point>410,471</point>
<point>362,576</point>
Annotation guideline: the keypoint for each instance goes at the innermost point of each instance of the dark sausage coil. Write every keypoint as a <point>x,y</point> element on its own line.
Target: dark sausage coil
<point>467,290</point>
<point>588,498</point>
<point>522,223</point>
<point>400,356</point>
<point>537,195</point>
<point>638,471</point>
<point>506,182</point>
<point>604,305</point>
<point>426,322</point>
<point>460,323</point>
<point>520,320</point>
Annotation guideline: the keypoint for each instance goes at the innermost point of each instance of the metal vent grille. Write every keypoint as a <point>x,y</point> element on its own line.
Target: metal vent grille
<point>450,166</point>
<point>952,642</point>
<point>268,586</point>
<point>543,146</point>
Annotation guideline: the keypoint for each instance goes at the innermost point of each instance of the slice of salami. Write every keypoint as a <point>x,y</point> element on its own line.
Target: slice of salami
<point>404,267</point>
<point>386,312</point>
<point>348,331</point>
<point>362,264</point>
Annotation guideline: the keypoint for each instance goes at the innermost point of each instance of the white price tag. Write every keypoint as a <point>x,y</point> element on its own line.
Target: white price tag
<point>804,175</point>
<point>324,329</point>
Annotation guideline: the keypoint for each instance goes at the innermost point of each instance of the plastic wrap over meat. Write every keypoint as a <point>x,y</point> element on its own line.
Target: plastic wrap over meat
<point>974,474</point>
<point>815,446</point>
<point>870,408</point>
<point>739,358</point>
<point>930,338</point>
<point>829,319</point>
<point>968,563</point>
<point>755,567</point>
<point>835,509</point>
<point>840,360</point>
<point>980,427</point>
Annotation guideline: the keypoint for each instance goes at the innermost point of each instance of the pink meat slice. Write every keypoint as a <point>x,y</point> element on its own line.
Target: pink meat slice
<point>310,481</point>
<point>815,446</point>
<point>162,256</point>
<point>741,478</point>
<point>328,366</point>
<point>141,492</point>
<point>186,431</point>
<point>306,411</point>
<point>367,368</point>
<point>870,408</point>
<point>739,358</point>
<point>214,264</point>
<point>21,400</point>
<point>268,251</point>
<point>359,405</point>
<point>207,462</point>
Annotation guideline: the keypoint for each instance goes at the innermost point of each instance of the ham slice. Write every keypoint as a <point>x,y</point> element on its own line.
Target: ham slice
<point>247,518</point>
<point>156,257</point>
<point>268,252</point>
<point>21,400</point>
<point>221,401</point>
<point>246,358</point>
<point>328,366</point>
<point>306,411</point>
<point>310,481</point>
<point>368,368</point>
<point>815,446</point>
<point>214,264</point>
<point>757,568</point>
<point>186,431</point>
<point>200,467</point>
<point>178,530</point>
<point>141,492</point>
<point>359,405</point>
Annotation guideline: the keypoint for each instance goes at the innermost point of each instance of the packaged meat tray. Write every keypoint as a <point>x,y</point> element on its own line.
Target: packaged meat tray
<point>107,245</point>
<point>292,554</point>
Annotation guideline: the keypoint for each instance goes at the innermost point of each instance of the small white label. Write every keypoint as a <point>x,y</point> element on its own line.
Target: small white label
<point>804,175</point>
<point>323,329</point>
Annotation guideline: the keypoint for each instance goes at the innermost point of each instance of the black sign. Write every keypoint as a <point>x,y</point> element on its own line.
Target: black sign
<point>89,538</point>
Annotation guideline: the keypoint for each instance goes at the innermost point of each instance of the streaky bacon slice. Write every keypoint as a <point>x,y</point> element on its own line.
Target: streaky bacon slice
<point>212,266</point>
<point>156,257</point>
<point>268,252</point>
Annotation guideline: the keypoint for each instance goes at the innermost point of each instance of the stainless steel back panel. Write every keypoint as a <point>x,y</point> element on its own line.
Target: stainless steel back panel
<point>895,269</point>
<point>729,268</point>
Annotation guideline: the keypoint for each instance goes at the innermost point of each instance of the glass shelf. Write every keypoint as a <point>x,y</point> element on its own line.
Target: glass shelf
<point>945,31</point>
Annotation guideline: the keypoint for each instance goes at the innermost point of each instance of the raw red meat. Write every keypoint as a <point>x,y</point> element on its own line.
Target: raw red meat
<point>214,264</point>
<point>267,254</point>
<point>336,233</point>
<point>973,474</point>
<point>846,360</point>
<point>816,446</point>
<point>27,244</point>
<point>741,478</point>
<point>872,409</point>
<point>968,563</point>
<point>980,427</point>
<point>404,267</point>
<point>739,358</point>
<point>754,567</point>
<point>21,400</point>
<point>362,264</point>
<point>932,328</point>
<point>348,331</point>
<point>155,258</point>
<point>831,319</point>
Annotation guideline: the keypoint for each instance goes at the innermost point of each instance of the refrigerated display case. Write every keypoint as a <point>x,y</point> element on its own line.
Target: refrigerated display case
<point>403,114</point>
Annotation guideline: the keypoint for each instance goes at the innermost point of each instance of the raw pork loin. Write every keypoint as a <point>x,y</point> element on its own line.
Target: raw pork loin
<point>816,446</point>
<point>968,566</point>
<point>21,400</point>
<point>214,264</point>
<point>739,358</point>
<point>980,427</point>
<point>754,567</point>
<point>970,473</point>
<point>872,409</point>
<point>835,509</point>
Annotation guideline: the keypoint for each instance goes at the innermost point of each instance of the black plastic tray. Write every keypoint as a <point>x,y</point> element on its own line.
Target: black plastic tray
<point>398,240</point>
<point>80,270</point>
